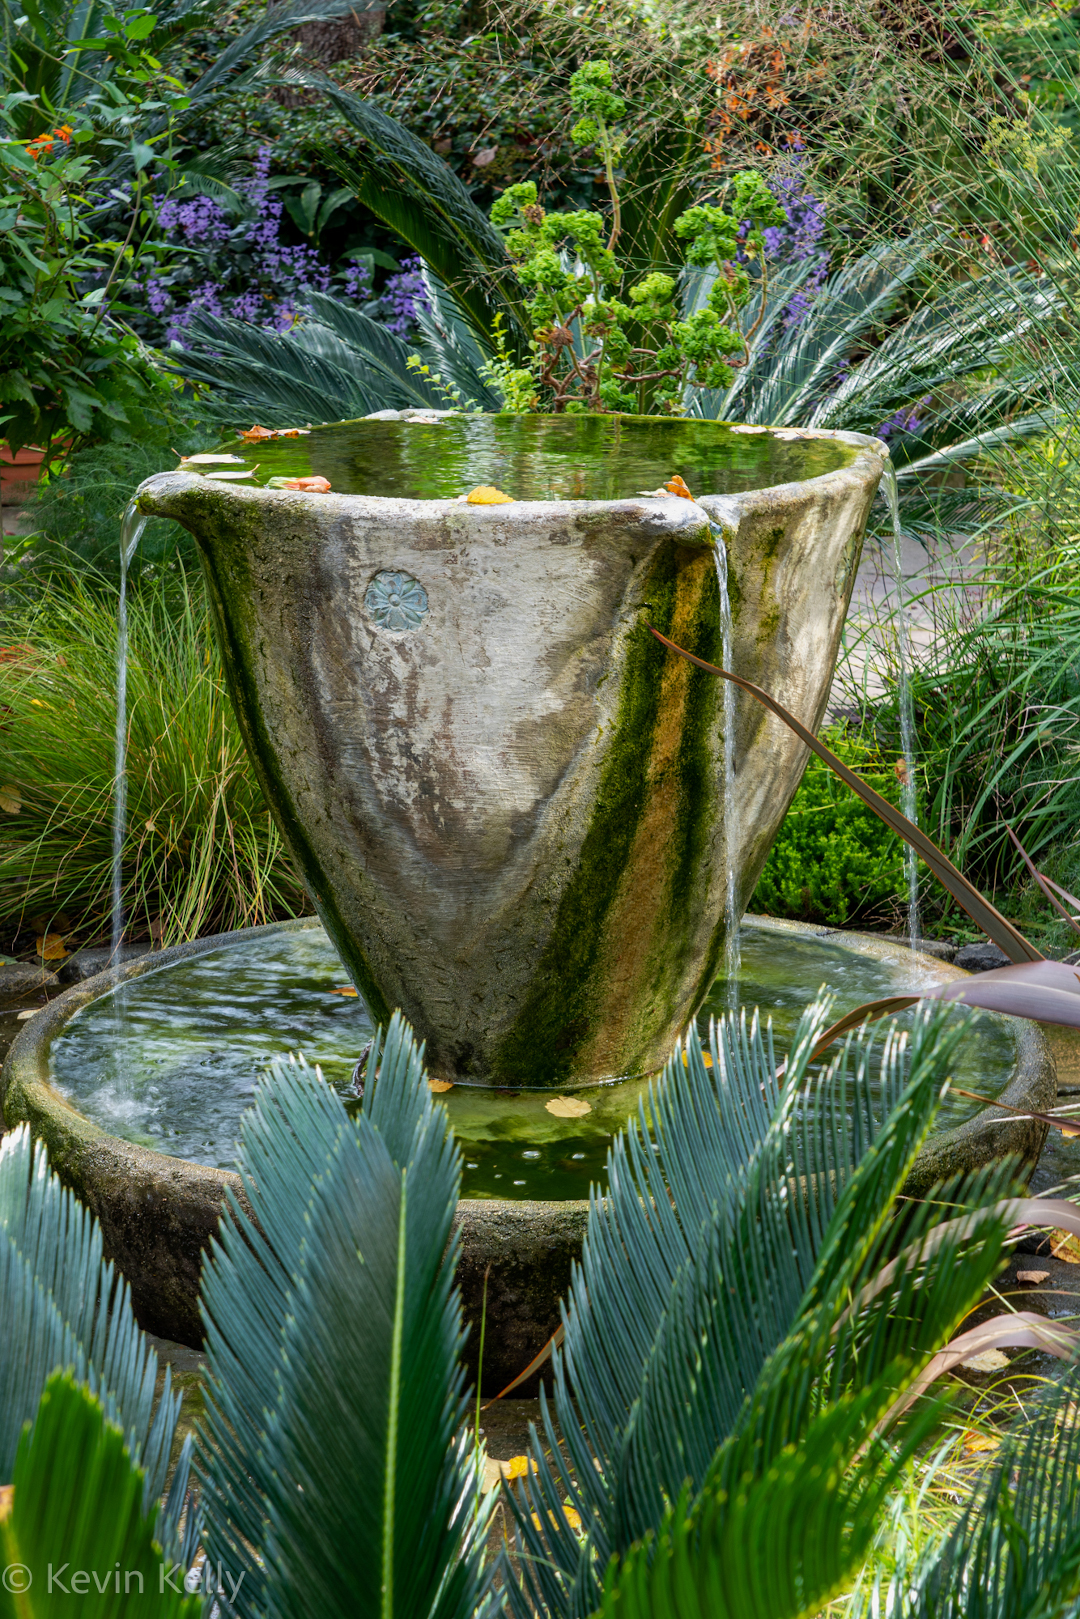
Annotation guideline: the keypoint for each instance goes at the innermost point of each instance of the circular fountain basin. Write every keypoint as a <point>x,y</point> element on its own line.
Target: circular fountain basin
<point>145,1131</point>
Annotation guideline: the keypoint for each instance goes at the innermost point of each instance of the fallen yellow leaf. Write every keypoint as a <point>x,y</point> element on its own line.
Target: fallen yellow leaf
<point>706,1057</point>
<point>10,800</point>
<point>676,486</point>
<point>51,947</point>
<point>987,1360</point>
<point>1063,1245</point>
<point>518,1466</point>
<point>440,1085</point>
<point>486,495</point>
<point>975,1442</point>
<point>573,1518</point>
<point>346,989</point>
<point>568,1107</point>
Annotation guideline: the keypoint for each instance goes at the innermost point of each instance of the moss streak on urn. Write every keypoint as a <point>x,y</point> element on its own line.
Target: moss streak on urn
<point>509,812</point>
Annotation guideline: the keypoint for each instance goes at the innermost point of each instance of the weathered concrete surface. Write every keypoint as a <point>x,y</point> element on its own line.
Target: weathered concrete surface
<point>509,813</point>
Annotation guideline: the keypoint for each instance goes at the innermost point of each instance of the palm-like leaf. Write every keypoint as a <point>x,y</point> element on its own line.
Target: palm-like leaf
<point>79,1505</point>
<point>337,366</point>
<point>808,374</point>
<point>333,1355</point>
<point>1015,1551</point>
<point>62,1305</point>
<point>707,1322</point>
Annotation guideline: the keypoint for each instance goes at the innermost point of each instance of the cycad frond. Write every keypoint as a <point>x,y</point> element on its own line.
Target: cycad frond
<point>62,1305</point>
<point>333,1354</point>
<point>312,373</point>
<point>743,1216</point>
<point>1015,1553</point>
<point>79,1507</point>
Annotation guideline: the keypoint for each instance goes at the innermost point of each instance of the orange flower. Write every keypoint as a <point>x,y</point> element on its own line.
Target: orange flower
<point>64,133</point>
<point>40,147</point>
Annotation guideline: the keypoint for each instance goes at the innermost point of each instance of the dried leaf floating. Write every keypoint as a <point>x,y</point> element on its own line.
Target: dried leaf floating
<point>568,1107</point>
<point>440,1086</point>
<point>485,494</point>
<point>255,432</point>
<point>212,461</point>
<point>307,486</point>
<point>346,989</point>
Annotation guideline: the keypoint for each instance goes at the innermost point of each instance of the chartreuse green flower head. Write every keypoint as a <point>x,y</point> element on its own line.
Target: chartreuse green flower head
<point>592,93</point>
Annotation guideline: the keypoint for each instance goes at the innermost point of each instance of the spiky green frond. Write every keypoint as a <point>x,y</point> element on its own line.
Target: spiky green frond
<point>333,1354</point>
<point>62,1305</point>
<point>334,366</point>
<point>79,1508</point>
<point>703,1327</point>
<point>1015,1552</point>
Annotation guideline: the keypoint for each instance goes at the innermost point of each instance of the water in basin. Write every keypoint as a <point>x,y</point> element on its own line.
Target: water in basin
<point>539,457</point>
<point>200,1032</point>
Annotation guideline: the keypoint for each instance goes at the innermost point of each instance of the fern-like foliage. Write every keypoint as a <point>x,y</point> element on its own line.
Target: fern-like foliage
<point>339,1476</point>
<point>63,1306</point>
<point>748,1293</point>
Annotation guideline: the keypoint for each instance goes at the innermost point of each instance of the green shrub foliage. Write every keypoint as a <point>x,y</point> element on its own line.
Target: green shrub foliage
<point>833,860</point>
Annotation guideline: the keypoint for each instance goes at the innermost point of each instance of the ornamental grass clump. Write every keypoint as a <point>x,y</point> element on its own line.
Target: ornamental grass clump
<point>201,852</point>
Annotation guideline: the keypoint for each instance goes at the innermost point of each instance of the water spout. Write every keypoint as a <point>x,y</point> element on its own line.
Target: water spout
<point>131,529</point>
<point>732,952</point>
<point>908,795</point>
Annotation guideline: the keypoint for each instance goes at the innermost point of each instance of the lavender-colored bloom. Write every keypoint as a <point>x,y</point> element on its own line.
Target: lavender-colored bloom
<point>799,241</point>
<point>403,295</point>
<point>906,420</point>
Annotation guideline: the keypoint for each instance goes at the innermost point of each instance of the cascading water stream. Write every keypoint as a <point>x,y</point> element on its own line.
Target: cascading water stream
<point>908,795</point>
<point>131,529</point>
<point>732,952</point>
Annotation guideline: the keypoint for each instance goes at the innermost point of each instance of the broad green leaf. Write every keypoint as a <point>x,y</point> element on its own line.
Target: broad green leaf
<point>75,1537</point>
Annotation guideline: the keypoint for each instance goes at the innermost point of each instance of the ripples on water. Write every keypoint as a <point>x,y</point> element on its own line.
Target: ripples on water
<point>199,1035</point>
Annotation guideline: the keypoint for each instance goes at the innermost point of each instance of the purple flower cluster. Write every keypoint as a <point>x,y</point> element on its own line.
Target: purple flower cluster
<point>244,270</point>
<point>403,296</point>
<point>905,420</point>
<point>800,241</point>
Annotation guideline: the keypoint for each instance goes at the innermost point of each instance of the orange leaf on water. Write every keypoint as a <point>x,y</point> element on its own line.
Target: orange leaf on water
<point>346,989</point>
<point>307,486</point>
<point>485,494</point>
<point>440,1085</point>
<point>255,432</point>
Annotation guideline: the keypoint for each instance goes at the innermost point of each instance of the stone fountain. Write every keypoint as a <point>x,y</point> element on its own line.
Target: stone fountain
<point>515,812</point>
<point>507,800</point>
